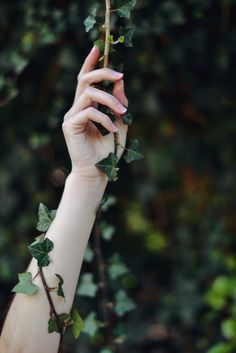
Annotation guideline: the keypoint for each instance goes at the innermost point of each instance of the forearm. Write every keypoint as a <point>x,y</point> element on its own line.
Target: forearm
<point>26,326</point>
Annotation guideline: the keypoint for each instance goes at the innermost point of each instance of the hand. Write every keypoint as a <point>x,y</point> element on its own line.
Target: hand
<point>85,143</point>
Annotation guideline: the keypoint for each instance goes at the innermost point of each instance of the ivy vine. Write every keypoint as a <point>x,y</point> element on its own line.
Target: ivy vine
<point>114,268</point>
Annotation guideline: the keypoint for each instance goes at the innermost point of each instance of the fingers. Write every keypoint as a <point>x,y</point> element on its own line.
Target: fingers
<point>100,75</point>
<point>95,76</point>
<point>92,94</point>
<point>91,61</point>
<point>77,124</point>
<point>119,93</point>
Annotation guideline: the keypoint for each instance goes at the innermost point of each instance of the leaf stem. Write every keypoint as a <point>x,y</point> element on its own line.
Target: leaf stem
<point>53,313</point>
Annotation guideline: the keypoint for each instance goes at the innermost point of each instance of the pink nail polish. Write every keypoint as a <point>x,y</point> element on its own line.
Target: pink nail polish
<point>117,74</point>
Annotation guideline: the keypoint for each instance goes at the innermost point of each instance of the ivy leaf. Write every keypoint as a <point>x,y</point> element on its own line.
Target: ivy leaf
<point>127,33</point>
<point>107,202</point>
<point>110,39</point>
<point>45,217</point>
<point>123,304</point>
<point>77,325</point>
<point>87,286</point>
<point>89,254</point>
<point>106,350</point>
<point>90,21</point>
<point>222,347</point>
<point>128,119</point>
<point>100,44</point>
<point>91,325</point>
<point>107,230</point>
<point>25,284</point>
<point>64,321</point>
<point>125,7</point>
<point>133,152</point>
<point>109,113</point>
<point>60,291</point>
<point>40,250</point>
<point>228,328</point>
<point>108,166</point>
<point>117,268</point>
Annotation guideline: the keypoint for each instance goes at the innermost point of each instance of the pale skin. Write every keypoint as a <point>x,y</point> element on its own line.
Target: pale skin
<point>26,327</point>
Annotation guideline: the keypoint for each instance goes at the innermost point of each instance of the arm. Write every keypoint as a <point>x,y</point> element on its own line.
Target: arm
<point>25,329</point>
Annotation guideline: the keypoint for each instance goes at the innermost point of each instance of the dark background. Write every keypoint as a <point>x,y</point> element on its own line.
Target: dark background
<point>175,216</point>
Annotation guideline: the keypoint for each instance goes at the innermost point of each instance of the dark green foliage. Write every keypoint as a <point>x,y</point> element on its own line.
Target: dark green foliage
<point>59,325</point>
<point>40,250</point>
<point>180,81</point>
<point>133,151</point>
<point>128,119</point>
<point>109,166</point>
<point>60,291</point>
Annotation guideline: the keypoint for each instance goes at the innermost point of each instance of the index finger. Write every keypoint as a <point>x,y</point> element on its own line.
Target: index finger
<point>91,61</point>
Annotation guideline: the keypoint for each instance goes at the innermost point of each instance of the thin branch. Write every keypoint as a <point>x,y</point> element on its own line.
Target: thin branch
<point>107,26</point>
<point>53,313</point>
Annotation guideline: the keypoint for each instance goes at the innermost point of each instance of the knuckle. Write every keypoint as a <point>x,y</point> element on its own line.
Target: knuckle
<point>91,111</point>
<point>83,78</point>
<point>65,126</point>
<point>89,91</point>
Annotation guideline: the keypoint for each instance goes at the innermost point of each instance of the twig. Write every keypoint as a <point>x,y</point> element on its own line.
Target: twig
<point>53,313</point>
<point>107,26</point>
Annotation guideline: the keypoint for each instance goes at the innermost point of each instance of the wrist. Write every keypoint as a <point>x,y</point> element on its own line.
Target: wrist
<point>89,174</point>
<point>88,183</point>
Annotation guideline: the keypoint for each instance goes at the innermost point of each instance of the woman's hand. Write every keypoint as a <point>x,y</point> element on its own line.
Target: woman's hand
<point>85,143</point>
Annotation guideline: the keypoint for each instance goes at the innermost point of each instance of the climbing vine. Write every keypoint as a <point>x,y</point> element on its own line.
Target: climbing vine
<point>114,268</point>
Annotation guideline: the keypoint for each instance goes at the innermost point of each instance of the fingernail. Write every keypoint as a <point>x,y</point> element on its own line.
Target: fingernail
<point>94,48</point>
<point>117,74</point>
<point>121,108</point>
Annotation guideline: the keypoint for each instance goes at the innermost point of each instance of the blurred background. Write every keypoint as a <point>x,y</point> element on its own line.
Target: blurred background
<point>175,216</point>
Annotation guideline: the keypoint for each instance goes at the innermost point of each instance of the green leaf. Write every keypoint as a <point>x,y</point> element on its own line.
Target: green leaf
<point>107,230</point>
<point>121,39</point>
<point>89,254</point>
<point>117,268</point>
<point>128,119</point>
<point>90,21</point>
<point>222,347</point>
<point>25,284</point>
<point>133,152</point>
<point>108,166</point>
<point>106,350</point>
<point>228,329</point>
<point>60,291</point>
<point>127,33</point>
<point>87,287</point>
<point>100,44</point>
<point>91,325</point>
<point>45,217</point>
<point>125,7</point>
<point>123,304</point>
<point>40,250</point>
<point>110,39</point>
<point>78,323</point>
<point>64,321</point>
<point>107,202</point>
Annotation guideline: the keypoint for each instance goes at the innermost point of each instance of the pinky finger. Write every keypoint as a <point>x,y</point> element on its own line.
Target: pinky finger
<point>78,123</point>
